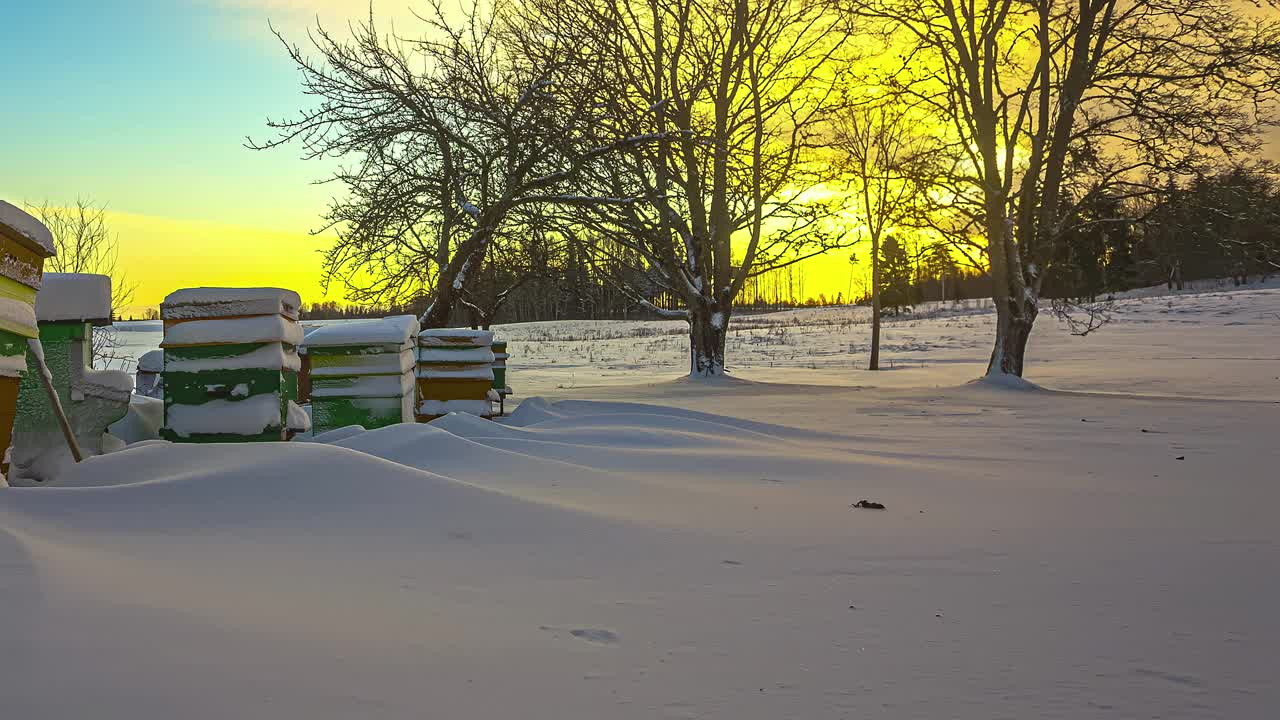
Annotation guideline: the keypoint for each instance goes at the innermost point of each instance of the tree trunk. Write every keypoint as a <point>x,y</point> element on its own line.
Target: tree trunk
<point>1013,329</point>
<point>875,305</point>
<point>707,332</point>
<point>437,316</point>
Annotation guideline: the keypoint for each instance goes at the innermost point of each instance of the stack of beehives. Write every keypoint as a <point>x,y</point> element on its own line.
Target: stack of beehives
<point>455,373</point>
<point>24,244</point>
<point>230,364</point>
<point>362,373</point>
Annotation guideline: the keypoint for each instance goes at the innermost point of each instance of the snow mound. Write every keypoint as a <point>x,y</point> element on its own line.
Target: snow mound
<point>74,296</point>
<point>141,422</point>
<point>1003,381</point>
<point>337,434</point>
<point>274,486</point>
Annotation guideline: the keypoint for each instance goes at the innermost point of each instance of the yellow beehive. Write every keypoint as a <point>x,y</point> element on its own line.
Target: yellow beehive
<point>455,373</point>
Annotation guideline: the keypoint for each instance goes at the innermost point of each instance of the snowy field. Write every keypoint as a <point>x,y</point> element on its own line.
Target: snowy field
<point>633,545</point>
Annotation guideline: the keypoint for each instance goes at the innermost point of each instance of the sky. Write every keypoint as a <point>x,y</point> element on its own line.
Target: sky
<point>144,106</point>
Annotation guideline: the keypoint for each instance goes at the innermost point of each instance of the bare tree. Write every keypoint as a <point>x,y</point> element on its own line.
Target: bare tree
<point>741,92</point>
<point>879,144</point>
<point>86,244</point>
<point>527,249</point>
<point>1051,102</point>
<point>448,136</point>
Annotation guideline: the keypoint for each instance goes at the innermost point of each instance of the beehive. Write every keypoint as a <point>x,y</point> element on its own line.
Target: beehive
<point>147,377</point>
<point>362,373</point>
<point>68,307</point>
<point>231,364</point>
<point>500,367</point>
<point>455,373</point>
<point>24,244</point>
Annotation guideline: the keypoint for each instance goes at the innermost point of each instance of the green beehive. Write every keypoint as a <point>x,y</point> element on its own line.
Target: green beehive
<point>362,373</point>
<point>231,364</point>
<point>68,307</point>
<point>500,367</point>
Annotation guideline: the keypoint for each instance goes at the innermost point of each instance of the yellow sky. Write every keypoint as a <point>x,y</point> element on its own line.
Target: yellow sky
<point>161,255</point>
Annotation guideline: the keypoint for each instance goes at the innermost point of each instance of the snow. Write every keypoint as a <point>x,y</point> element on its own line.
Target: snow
<point>259,329</point>
<point>379,363</point>
<point>453,337</point>
<point>463,355</point>
<point>116,384</point>
<point>298,419</point>
<point>644,547</point>
<point>336,434</point>
<point>484,372</point>
<point>74,296</point>
<point>13,365</point>
<point>397,330</point>
<point>229,302</point>
<point>26,225</point>
<point>17,313</point>
<point>482,408</point>
<point>142,422</point>
<point>364,386</point>
<point>151,361</point>
<point>269,356</point>
<point>251,416</point>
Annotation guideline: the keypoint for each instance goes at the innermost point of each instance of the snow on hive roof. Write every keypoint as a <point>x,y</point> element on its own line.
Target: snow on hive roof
<point>151,361</point>
<point>450,337</point>
<point>398,329</point>
<point>26,226</point>
<point>224,302</point>
<point>74,296</point>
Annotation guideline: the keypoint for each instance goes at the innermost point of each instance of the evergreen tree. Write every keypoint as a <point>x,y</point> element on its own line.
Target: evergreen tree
<point>896,274</point>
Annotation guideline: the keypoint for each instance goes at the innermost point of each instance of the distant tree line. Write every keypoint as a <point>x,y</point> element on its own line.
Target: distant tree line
<point>1225,225</point>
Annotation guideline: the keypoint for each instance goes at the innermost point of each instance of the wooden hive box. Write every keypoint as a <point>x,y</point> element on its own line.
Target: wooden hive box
<point>24,244</point>
<point>362,373</point>
<point>455,373</point>
<point>231,364</point>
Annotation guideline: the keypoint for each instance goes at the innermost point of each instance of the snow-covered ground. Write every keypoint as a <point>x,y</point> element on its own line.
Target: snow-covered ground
<point>646,547</point>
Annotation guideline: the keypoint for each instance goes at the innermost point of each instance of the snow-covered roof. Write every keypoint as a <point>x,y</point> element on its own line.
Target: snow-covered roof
<point>23,224</point>
<point>74,296</point>
<point>151,361</point>
<point>452,337</point>
<point>398,329</point>
<point>210,302</point>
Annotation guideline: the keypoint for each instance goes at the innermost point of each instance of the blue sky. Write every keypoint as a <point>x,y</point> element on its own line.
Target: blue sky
<point>145,104</point>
